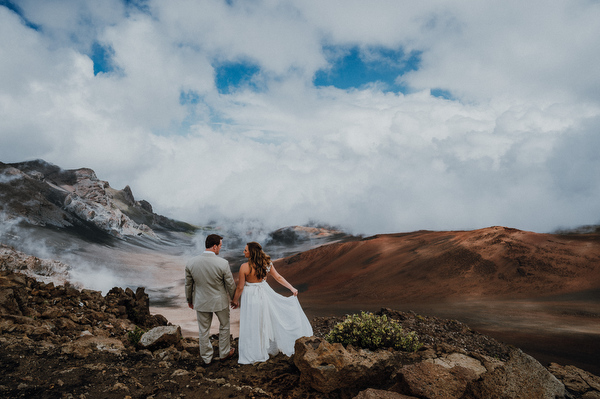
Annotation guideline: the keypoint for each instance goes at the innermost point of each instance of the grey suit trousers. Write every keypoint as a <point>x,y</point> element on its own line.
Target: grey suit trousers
<point>204,322</point>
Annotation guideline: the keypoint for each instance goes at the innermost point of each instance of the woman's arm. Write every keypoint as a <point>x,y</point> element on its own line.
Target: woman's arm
<point>244,270</point>
<point>282,280</point>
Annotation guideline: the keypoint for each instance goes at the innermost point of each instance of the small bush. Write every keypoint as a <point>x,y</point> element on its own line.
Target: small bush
<point>135,335</point>
<point>372,332</point>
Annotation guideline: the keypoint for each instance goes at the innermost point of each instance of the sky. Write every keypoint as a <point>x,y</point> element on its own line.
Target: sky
<point>372,117</point>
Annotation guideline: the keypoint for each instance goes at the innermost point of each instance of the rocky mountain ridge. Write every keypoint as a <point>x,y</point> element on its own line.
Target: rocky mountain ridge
<point>60,342</point>
<point>45,195</point>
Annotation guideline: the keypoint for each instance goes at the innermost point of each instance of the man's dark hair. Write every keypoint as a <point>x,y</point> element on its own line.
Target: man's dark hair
<point>212,240</point>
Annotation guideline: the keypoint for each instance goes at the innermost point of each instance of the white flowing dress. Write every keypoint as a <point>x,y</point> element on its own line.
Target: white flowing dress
<point>269,323</point>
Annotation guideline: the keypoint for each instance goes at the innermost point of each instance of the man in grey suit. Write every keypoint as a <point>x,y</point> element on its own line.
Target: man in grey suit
<point>209,288</point>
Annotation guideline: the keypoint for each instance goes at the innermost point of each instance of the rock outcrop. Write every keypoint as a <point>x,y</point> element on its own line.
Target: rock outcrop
<point>328,367</point>
<point>430,380</point>
<point>577,381</point>
<point>94,200</point>
<point>443,372</point>
<point>521,376</point>
<point>161,337</point>
<point>46,270</point>
<point>43,194</point>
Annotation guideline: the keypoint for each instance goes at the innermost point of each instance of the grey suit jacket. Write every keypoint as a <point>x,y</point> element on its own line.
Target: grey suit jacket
<point>209,283</point>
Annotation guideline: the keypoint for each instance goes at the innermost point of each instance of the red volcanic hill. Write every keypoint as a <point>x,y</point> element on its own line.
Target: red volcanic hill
<point>429,266</point>
<point>539,292</point>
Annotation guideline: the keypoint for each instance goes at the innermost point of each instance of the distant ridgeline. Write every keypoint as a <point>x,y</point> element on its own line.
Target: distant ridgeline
<point>586,229</point>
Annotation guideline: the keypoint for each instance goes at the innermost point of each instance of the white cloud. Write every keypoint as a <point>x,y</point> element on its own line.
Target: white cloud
<point>512,149</point>
<point>529,50</point>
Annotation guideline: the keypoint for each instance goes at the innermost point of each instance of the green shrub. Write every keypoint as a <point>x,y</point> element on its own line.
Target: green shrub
<point>372,332</point>
<point>135,335</point>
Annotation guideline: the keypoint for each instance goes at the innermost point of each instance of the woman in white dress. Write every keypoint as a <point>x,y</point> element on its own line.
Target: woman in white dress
<point>269,323</point>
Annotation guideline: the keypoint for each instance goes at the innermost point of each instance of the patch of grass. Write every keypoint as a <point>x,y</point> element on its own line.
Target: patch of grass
<point>135,335</point>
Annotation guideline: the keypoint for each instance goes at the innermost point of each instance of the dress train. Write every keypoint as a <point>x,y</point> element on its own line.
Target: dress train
<point>269,323</point>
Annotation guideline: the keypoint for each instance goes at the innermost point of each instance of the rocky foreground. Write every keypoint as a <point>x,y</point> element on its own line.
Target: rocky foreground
<point>61,342</point>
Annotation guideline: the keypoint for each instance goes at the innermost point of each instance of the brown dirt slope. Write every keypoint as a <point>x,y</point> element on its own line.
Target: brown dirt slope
<point>428,266</point>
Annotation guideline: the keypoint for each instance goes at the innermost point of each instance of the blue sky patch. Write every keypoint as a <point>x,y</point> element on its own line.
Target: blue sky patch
<point>355,68</point>
<point>102,58</point>
<point>231,76</point>
<point>445,94</point>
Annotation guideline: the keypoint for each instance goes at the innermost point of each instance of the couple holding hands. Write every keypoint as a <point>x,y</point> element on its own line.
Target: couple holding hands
<point>269,323</point>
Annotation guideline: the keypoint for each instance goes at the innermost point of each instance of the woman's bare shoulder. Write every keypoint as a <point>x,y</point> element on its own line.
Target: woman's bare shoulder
<point>245,269</point>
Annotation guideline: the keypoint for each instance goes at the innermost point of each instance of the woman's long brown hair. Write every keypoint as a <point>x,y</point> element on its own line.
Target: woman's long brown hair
<point>258,260</point>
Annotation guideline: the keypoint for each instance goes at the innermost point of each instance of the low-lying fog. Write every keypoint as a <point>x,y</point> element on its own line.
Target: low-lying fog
<point>141,262</point>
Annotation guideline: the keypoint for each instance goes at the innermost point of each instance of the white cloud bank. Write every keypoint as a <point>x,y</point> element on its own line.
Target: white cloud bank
<point>516,145</point>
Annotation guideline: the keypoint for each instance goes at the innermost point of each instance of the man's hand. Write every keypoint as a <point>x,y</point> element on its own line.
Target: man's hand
<point>191,305</point>
<point>234,305</point>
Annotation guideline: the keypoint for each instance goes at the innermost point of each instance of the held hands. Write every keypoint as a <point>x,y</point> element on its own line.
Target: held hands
<point>234,305</point>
